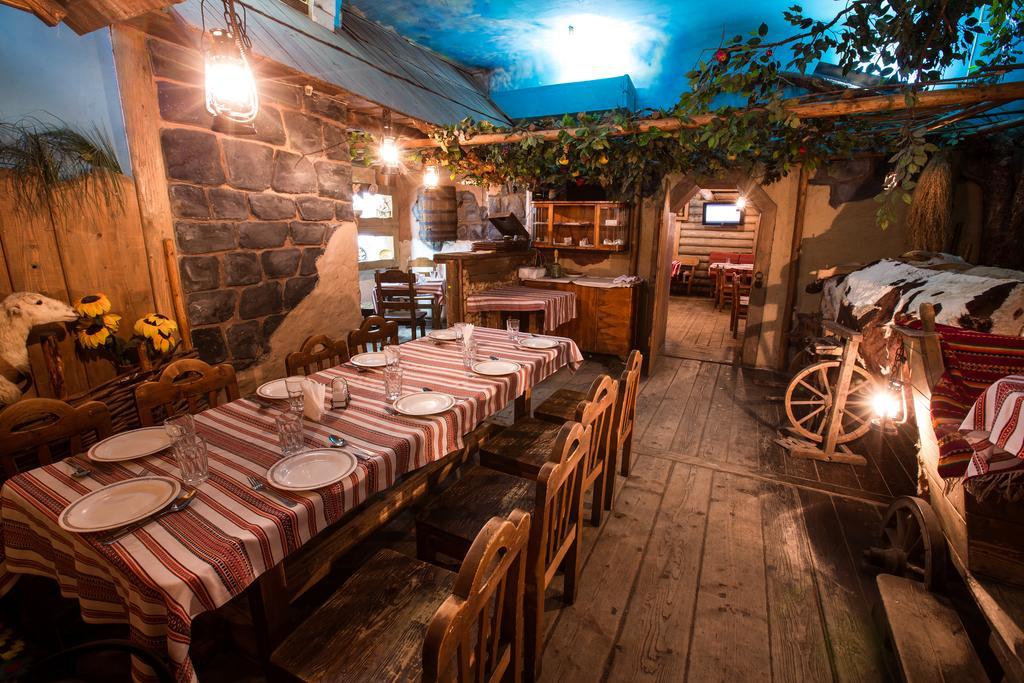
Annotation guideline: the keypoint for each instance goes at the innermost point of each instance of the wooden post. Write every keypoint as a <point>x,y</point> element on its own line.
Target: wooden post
<point>54,366</point>
<point>174,280</point>
<point>142,125</point>
<point>794,266</point>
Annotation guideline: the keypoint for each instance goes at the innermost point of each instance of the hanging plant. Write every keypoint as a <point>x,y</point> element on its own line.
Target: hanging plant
<point>43,159</point>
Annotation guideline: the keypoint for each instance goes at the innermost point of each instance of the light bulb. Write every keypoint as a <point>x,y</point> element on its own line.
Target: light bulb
<point>741,203</point>
<point>431,177</point>
<point>886,404</point>
<point>230,84</point>
<point>388,152</point>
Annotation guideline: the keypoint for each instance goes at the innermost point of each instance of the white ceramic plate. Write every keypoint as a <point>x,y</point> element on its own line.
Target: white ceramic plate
<point>495,368</point>
<point>275,390</point>
<point>424,403</point>
<point>313,469</point>
<point>136,443</point>
<point>443,335</point>
<point>118,504</point>
<point>373,359</point>
<point>538,343</point>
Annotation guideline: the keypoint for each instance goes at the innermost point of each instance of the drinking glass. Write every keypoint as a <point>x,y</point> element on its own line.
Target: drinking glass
<point>339,393</point>
<point>458,331</point>
<point>192,459</point>
<point>295,386</point>
<point>180,428</point>
<point>392,382</point>
<point>392,355</point>
<point>289,433</point>
<point>469,354</point>
<point>512,325</point>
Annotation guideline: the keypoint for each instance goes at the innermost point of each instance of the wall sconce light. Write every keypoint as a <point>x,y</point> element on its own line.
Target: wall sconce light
<point>431,178</point>
<point>230,85</point>
<point>741,202</point>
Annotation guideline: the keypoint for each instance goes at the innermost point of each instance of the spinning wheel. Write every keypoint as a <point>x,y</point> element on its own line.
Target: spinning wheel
<point>912,543</point>
<point>812,393</point>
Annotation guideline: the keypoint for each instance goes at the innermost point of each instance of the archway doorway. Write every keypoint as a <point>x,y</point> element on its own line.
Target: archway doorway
<point>716,253</point>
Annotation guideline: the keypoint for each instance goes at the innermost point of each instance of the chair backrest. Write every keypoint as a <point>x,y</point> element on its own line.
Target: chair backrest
<point>629,387</point>
<point>598,411</point>
<point>318,352</point>
<point>186,385</point>
<point>373,335</point>
<point>689,260</point>
<point>559,506</point>
<point>36,431</point>
<point>742,283</point>
<point>386,298</point>
<point>476,635</point>
<point>746,258</point>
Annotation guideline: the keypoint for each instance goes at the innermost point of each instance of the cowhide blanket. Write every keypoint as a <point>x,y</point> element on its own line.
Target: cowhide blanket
<point>872,298</point>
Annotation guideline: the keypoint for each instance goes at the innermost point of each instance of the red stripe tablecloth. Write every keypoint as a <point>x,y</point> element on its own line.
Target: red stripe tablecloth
<point>159,578</point>
<point>429,288</point>
<point>559,307</point>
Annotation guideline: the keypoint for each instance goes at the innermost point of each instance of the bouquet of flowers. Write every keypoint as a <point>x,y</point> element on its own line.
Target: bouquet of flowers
<point>96,331</point>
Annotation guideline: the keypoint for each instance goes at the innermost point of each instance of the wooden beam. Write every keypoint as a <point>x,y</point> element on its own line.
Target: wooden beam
<point>47,11</point>
<point>1003,92</point>
<point>795,247</point>
<point>142,125</point>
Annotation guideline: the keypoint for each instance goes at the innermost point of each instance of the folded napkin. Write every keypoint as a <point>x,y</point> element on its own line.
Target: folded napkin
<point>467,332</point>
<point>313,398</point>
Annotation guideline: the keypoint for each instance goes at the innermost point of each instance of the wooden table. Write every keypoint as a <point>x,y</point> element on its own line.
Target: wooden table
<point>159,578</point>
<point>556,307</point>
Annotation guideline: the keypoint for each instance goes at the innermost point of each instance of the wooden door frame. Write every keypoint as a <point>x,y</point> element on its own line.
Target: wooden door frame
<point>679,193</point>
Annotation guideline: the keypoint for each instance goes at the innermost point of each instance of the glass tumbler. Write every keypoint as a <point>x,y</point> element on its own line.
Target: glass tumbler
<point>392,355</point>
<point>512,326</point>
<point>193,462</point>
<point>469,354</point>
<point>289,433</point>
<point>392,382</point>
<point>180,427</point>
<point>295,385</point>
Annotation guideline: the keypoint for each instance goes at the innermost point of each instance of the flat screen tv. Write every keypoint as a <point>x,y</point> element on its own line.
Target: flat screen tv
<point>722,213</point>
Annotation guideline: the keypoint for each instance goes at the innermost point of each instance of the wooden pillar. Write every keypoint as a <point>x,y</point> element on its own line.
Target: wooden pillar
<point>794,268</point>
<point>142,125</point>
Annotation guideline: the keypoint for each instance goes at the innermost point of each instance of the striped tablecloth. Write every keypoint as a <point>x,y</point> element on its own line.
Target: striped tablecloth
<point>559,307</point>
<point>159,578</point>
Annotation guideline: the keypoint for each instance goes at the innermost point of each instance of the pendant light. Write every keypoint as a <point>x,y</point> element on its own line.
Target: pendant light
<point>388,150</point>
<point>431,178</point>
<point>230,85</point>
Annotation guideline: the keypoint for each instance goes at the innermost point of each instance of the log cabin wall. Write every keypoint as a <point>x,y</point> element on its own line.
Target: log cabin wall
<point>697,239</point>
<point>263,224</point>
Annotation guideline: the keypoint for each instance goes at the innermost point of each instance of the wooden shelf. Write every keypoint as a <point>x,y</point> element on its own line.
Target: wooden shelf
<point>576,247</point>
<point>554,221</point>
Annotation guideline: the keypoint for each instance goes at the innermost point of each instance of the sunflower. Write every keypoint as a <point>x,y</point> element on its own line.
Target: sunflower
<point>162,341</point>
<point>93,305</point>
<point>93,336</point>
<point>112,321</point>
<point>149,326</point>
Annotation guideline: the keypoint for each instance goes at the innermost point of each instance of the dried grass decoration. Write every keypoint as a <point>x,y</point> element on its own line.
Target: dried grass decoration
<point>930,218</point>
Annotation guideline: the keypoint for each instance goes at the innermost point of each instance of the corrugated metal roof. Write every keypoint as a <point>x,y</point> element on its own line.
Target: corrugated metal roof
<point>364,59</point>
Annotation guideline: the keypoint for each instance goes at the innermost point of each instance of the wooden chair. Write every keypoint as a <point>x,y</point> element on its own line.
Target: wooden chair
<point>741,285</point>
<point>186,385</point>
<point>561,406</point>
<point>400,619</point>
<point>523,448</point>
<point>34,430</point>
<point>687,271</point>
<point>401,298</point>
<point>318,352</point>
<point>451,521</point>
<point>373,335</point>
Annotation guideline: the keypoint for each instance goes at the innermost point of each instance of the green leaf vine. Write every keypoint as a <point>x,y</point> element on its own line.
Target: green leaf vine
<point>906,45</point>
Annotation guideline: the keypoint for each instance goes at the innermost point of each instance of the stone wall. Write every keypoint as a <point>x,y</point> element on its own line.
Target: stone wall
<point>254,214</point>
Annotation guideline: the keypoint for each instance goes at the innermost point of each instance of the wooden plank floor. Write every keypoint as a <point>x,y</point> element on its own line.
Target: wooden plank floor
<point>725,560</point>
<point>696,329</point>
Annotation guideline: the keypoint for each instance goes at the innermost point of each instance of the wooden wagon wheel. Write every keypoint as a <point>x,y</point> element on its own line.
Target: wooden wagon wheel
<point>812,392</point>
<point>912,543</point>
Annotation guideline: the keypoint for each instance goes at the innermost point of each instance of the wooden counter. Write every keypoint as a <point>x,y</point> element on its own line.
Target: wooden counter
<point>606,317</point>
<point>468,272</point>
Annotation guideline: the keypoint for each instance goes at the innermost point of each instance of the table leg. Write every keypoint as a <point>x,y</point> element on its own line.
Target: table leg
<point>523,406</point>
<point>268,605</point>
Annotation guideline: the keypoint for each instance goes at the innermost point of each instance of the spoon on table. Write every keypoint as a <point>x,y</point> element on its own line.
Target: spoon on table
<point>180,503</point>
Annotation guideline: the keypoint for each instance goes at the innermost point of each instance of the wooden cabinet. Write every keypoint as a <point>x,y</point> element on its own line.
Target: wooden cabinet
<point>581,226</point>
<point>606,317</point>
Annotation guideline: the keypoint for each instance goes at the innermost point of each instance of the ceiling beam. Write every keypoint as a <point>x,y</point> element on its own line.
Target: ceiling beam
<point>1003,92</point>
<point>47,11</point>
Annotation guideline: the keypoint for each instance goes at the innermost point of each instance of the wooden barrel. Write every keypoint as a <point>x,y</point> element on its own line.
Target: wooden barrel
<point>437,213</point>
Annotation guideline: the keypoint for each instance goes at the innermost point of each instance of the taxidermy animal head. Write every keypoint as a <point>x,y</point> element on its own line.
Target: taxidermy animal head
<point>19,313</point>
<point>30,309</point>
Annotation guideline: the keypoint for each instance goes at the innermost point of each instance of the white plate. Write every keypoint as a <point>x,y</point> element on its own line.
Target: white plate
<point>424,403</point>
<point>537,343</point>
<point>495,368</point>
<point>136,443</point>
<point>368,360</point>
<point>443,335</point>
<point>275,390</point>
<point>313,469</point>
<point>118,504</point>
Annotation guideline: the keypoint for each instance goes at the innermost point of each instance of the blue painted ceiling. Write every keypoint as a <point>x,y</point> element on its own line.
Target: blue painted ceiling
<point>528,43</point>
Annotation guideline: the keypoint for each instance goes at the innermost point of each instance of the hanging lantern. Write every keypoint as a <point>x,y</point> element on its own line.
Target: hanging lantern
<point>431,178</point>
<point>387,152</point>
<point>890,403</point>
<point>230,85</point>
